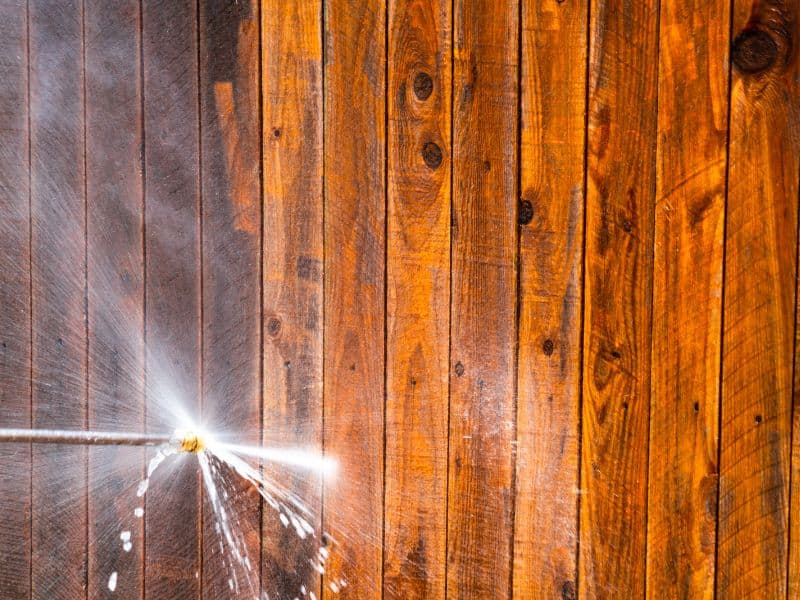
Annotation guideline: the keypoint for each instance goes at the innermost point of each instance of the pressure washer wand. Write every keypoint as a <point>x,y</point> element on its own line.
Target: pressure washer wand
<point>91,438</point>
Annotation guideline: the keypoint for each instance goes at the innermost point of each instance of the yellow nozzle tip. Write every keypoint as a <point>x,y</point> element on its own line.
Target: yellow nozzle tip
<point>189,441</point>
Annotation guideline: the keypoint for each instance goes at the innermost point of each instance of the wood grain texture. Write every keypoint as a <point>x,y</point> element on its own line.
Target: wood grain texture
<point>173,285</point>
<point>15,319</point>
<point>354,156</point>
<point>483,303</point>
<point>293,270</point>
<point>231,214</point>
<point>418,298</point>
<point>115,287</point>
<point>618,292</point>
<point>793,575</point>
<point>58,262</point>
<point>553,105</point>
<point>794,475</point>
<point>759,301</point>
<point>687,298</point>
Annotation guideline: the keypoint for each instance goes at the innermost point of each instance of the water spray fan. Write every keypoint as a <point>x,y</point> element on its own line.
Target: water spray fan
<point>181,440</point>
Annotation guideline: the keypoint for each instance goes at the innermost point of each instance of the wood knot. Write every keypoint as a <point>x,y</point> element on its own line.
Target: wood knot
<point>525,213</point>
<point>459,368</point>
<point>568,587</point>
<point>548,347</point>
<point>273,326</point>
<point>432,155</point>
<point>423,85</point>
<point>754,51</point>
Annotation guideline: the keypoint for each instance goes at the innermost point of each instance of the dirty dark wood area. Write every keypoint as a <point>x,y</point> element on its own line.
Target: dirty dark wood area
<point>527,268</point>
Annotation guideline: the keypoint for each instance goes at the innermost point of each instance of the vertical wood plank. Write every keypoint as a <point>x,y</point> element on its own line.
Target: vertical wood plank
<point>687,298</point>
<point>58,261</point>
<point>115,286</point>
<point>759,301</point>
<point>292,262</point>
<point>354,159</point>
<point>618,293</point>
<point>553,105</point>
<point>230,159</point>
<point>483,302</point>
<point>794,477</point>
<point>173,285</point>
<point>418,298</point>
<point>15,319</point>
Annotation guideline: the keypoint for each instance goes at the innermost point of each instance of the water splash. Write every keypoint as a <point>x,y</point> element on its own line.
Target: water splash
<point>216,461</point>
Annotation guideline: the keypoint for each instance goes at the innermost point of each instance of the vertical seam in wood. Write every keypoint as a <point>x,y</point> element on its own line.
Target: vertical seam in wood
<point>261,286</point>
<point>85,311</point>
<point>143,166</point>
<point>449,300</point>
<point>652,252</point>
<point>517,300</point>
<point>201,331</point>
<point>722,311</point>
<point>323,156</point>
<point>793,407</point>
<point>385,277</point>
<point>30,294</point>
<point>581,365</point>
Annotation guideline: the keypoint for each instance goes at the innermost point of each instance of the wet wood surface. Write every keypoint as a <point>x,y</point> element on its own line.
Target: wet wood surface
<point>114,284</point>
<point>173,275</point>
<point>528,270</point>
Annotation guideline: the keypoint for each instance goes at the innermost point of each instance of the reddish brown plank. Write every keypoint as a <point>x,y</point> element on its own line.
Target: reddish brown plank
<point>292,262</point>
<point>230,176</point>
<point>759,301</point>
<point>687,298</point>
<point>794,491</point>
<point>58,262</point>
<point>418,298</point>
<point>15,320</point>
<point>354,97</point>
<point>554,54</point>
<point>618,291</point>
<point>483,302</point>
<point>115,288</point>
<point>172,289</point>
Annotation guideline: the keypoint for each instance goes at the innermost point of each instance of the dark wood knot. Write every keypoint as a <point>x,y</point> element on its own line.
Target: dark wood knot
<point>423,85</point>
<point>273,326</point>
<point>525,212</point>
<point>754,51</point>
<point>432,155</point>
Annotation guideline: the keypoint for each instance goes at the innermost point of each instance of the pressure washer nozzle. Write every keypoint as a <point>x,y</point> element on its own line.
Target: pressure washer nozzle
<point>188,441</point>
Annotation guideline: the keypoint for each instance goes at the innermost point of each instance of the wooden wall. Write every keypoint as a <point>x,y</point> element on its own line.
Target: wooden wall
<point>526,268</point>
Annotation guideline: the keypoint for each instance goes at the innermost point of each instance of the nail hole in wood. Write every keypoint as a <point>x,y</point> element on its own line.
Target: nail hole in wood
<point>548,347</point>
<point>758,419</point>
